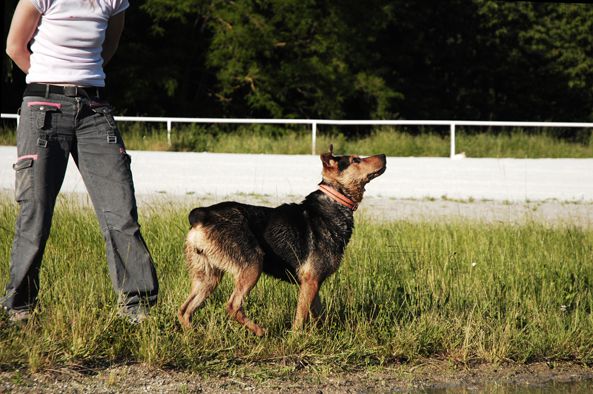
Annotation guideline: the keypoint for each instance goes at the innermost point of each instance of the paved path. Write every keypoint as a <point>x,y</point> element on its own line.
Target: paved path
<point>186,173</point>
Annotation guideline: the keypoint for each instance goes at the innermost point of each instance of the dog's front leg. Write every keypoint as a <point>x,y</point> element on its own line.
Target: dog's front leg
<point>308,297</point>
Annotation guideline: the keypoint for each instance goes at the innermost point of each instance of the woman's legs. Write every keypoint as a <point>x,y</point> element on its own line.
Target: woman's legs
<point>49,130</point>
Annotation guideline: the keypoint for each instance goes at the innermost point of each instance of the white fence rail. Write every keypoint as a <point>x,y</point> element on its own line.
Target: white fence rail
<point>452,124</point>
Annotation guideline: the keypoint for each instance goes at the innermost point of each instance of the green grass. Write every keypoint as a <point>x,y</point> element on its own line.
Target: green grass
<point>460,291</point>
<point>393,142</point>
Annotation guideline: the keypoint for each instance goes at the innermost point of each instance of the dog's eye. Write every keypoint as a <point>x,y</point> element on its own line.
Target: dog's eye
<point>356,160</point>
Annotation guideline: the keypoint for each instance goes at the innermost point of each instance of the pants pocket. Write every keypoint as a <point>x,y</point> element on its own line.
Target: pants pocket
<point>41,112</point>
<point>23,188</point>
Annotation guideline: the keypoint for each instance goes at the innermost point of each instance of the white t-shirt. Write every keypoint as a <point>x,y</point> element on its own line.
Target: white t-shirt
<point>68,42</point>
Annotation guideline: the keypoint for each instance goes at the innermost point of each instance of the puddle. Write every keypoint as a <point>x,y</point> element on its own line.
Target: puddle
<point>580,387</point>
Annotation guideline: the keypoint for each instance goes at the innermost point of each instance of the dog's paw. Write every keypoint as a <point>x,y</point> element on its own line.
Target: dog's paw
<point>259,331</point>
<point>185,324</point>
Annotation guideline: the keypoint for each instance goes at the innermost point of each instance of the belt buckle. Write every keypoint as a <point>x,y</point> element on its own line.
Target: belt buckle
<point>71,91</point>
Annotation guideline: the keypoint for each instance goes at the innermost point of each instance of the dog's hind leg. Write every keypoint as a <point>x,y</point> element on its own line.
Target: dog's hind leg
<point>245,280</point>
<point>203,284</point>
<point>204,278</point>
<point>316,307</point>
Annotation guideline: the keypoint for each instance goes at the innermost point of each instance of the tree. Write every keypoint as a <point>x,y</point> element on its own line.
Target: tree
<point>480,59</point>
<point>292,58</point>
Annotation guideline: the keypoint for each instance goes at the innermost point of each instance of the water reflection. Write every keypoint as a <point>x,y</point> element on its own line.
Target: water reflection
<point>580,387</point>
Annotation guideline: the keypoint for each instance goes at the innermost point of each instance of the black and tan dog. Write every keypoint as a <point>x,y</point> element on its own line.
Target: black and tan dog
<point>302,243</point>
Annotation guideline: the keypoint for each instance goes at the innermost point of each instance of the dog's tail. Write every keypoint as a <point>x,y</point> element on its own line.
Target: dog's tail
<point>196,216</point>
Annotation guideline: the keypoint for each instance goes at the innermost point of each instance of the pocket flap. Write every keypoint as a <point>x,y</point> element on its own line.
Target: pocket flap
<point>22,164</point>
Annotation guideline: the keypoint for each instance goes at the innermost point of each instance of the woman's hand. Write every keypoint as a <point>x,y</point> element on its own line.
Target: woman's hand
<point>23,26</point>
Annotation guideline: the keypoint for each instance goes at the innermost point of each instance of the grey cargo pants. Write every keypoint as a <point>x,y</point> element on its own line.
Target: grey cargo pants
<point>50,129</point>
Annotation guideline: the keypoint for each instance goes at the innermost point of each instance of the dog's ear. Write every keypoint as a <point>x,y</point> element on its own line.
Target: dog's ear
<point>328,158</point>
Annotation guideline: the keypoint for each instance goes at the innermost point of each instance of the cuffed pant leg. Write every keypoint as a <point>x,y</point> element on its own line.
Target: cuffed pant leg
<point>31,233</point>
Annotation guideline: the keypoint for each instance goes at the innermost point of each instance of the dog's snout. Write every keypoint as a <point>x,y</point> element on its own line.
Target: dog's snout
<point>380,162</point>
<point>377,160</point>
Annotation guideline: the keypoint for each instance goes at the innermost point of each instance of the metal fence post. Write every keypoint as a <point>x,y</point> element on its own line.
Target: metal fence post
<point>452,128</point>
<point>313,137</point>
<point>169,131</point>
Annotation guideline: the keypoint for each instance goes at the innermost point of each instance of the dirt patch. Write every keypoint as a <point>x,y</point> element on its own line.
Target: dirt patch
<point>548,212</point>
<point>428,376</point>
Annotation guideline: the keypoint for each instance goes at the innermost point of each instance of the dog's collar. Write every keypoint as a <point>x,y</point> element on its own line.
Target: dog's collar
<point>338,197</point>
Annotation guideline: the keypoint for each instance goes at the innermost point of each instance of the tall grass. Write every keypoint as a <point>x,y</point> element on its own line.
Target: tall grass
<point>391,141</point>
<point>461,291</point>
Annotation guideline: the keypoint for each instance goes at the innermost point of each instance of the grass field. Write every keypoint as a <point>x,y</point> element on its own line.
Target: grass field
<point>392,142</point>
<point>460,291</point>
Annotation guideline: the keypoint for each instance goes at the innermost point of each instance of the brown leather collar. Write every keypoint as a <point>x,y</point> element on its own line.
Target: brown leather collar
<point>338,197</point>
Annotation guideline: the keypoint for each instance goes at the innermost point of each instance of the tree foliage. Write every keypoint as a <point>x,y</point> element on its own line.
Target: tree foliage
<point>376,59</point>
